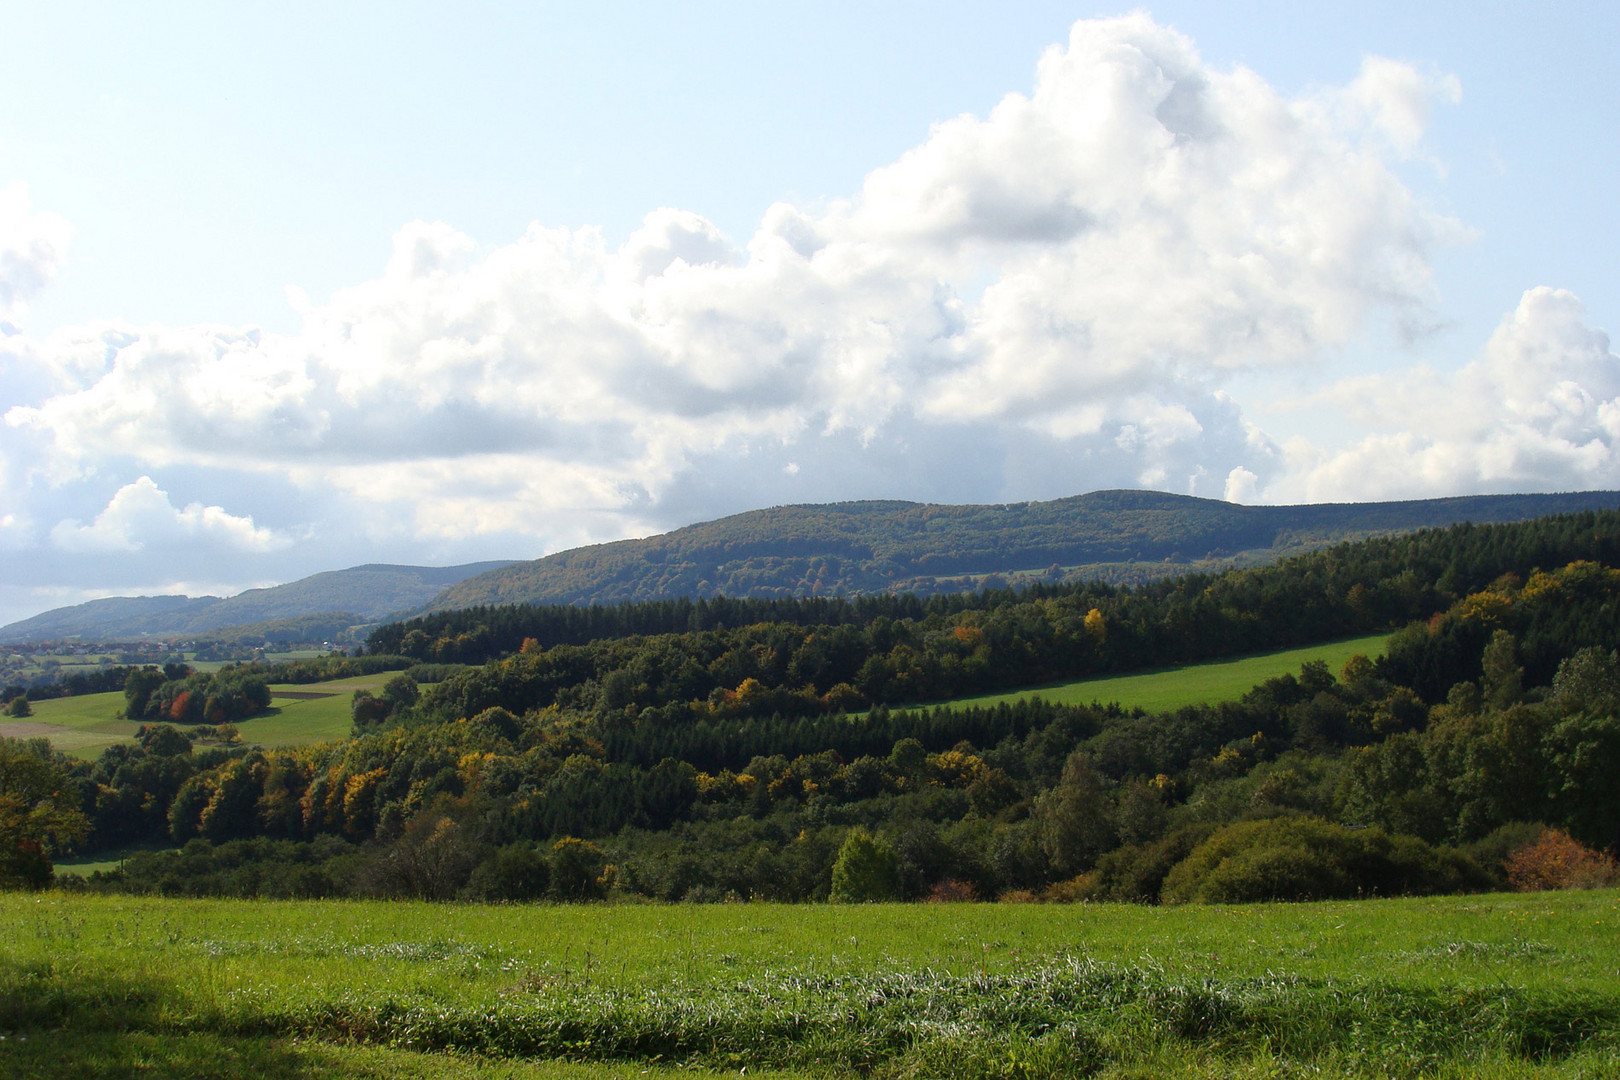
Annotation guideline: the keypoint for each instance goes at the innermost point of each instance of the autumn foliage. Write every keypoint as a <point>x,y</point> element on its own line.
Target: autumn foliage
<point>1558,861</point>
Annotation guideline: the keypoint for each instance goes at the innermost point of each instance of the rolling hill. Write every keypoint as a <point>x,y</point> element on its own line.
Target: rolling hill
<point>836,549</point>
<point>856,548</point>
<point>362,593</point>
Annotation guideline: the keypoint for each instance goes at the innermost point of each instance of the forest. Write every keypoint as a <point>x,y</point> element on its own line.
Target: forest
<point>785,750</point>
<point>877,547</point>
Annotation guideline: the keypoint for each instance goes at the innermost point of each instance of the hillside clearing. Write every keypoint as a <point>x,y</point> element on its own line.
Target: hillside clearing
<point>86,725</point>
<point>1209,682</point>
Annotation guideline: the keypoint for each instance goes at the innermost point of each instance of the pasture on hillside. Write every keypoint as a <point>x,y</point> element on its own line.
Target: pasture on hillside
<point>86,725</point>
<point>1213,681</point>
<point>1505,986</point>
<point>306,713</point>
<point>83,726</point>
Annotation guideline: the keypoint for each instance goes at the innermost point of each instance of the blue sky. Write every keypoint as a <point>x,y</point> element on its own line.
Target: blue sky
<point>288,289</point>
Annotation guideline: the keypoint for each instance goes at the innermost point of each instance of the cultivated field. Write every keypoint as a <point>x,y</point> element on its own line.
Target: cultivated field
<point>1482,986</point>
<point>1164,689</point>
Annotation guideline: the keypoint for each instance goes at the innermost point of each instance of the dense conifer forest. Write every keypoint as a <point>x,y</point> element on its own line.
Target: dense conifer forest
<point>785,749</point>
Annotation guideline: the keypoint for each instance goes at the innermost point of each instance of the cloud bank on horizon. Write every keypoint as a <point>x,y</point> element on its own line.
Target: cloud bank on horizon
<point>1057,297</point>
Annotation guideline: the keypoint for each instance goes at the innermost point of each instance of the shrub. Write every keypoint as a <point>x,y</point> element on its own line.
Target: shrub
<point>19,706</point>
<point>1019,896</point>
<point>1303,858</point>
<point>431,860</point>
<point>866,870</point>
<point>163,740</point>
<point>24,865</point>
<point>952,891</point>
<point>1135,873</point>
<point>578,870</point>
<point>1492,850</point>
<point>1557,860</point>
<point>515,872</point>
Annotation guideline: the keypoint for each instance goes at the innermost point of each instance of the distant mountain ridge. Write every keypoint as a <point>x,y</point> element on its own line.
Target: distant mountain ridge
<point>363,593</point>
<point>855,548</point>
<point>832,549</point>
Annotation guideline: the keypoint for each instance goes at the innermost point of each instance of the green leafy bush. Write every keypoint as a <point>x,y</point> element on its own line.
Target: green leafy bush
<point>514,872</point>
<point>1303,858</point>
<point>866,871</point>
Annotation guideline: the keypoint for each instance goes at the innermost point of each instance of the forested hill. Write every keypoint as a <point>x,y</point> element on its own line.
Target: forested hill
<point>862,548</point>
<point>366,593</point>
<point>718,757</point>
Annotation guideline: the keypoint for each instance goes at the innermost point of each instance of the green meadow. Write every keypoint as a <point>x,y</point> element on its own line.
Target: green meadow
<point>83,726</point>
<point>298,715</point>
<point>1163,689</point>
<point>1524,985</point>
<point>301,714</point>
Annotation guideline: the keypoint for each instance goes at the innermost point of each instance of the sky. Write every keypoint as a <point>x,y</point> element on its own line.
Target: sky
<point>288,288</point>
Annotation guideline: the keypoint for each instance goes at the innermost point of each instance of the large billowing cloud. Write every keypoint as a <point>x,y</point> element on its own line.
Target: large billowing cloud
<point>1065,281</point>
<point>1049,299</point>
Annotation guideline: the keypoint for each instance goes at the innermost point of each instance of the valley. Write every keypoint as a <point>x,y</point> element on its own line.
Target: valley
<point>1349,811</point>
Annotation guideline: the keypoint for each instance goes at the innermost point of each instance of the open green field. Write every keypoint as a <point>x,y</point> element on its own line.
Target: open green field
<point>1170,688</point>
<point>298,722</point>
<point>86,725</point>
<point>303,719</point>
<point>1496,986</point>
<point>83,726</point>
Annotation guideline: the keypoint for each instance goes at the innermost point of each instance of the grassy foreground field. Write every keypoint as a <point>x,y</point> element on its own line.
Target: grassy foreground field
<point>1486,986</point>
<point>1164,689</point>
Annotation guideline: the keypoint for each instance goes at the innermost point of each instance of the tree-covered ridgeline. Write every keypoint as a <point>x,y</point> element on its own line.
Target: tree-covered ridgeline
<point>886,547</point>
<point>1490,721</point>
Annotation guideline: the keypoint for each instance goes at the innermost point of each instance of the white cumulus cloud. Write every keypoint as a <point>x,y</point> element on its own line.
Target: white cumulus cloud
<point>140,515</point>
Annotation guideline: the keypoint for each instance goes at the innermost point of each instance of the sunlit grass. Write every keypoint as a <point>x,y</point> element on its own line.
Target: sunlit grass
<point>1163,689</point>
<point>89,723</point>
<point>1494,986</point>
<point>83,726</point>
